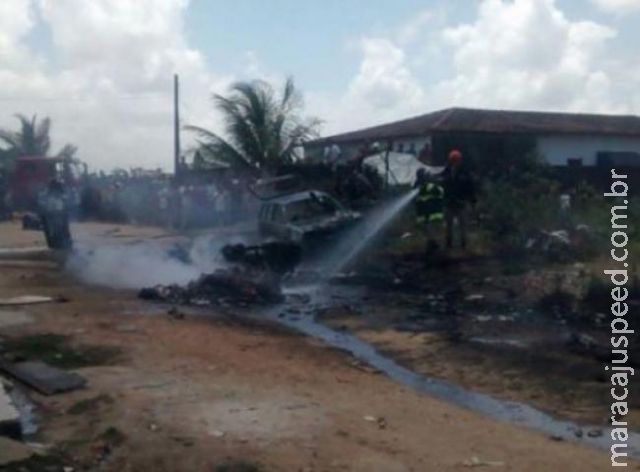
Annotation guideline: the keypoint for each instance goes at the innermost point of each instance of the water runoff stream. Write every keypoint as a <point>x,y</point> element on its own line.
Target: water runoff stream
<point>303,302</point>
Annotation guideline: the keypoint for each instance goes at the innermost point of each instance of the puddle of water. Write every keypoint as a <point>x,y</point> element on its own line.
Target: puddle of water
<point>507,411</point>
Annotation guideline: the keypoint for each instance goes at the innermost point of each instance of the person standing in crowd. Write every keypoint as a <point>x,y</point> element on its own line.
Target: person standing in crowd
<point>459,195</point>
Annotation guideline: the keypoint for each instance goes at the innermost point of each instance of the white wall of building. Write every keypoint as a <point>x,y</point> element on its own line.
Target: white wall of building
<point>557,149</point>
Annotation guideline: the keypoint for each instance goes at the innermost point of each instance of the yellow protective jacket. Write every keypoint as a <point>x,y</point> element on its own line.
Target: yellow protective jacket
<point>429,203</point>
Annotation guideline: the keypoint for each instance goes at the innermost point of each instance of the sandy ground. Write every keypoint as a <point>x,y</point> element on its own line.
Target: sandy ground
<point>190,394</point>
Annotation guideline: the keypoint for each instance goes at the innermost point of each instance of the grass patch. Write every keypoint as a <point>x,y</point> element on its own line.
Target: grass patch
<point>55,349</point>
<point>89,404</point>
<point>238,466</point>
<point>37,463</point>
<point>113,436</point>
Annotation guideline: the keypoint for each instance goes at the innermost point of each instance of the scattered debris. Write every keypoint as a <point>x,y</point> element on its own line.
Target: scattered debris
<point>551,244</point>
<point>595,433</point>
<point>477,462</point>
<point>358,364</point>
<point>220,288</point>
<point>280,257</point>
<point>25,300</point>
<point>43,377</point>
<point>176,314</point>
<point>585,345</point>
<point>379,420</point>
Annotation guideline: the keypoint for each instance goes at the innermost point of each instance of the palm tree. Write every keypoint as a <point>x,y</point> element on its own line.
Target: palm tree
<point>32,139</point>
<point>68,152</point>
<point>263,129</point>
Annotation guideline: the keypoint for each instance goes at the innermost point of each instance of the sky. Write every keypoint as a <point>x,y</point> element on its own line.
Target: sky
<point>103,69</point>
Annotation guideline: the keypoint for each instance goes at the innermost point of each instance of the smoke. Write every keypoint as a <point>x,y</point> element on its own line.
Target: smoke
<point>144,264</point>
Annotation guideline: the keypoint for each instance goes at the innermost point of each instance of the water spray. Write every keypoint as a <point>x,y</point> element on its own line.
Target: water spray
<point>355,241</point>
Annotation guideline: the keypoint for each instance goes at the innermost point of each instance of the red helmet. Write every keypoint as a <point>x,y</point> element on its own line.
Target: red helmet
<point>455,156</point>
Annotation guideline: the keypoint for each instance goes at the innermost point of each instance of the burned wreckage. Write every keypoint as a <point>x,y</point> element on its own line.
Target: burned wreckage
<point>291,225</point>
<point>223,287</point>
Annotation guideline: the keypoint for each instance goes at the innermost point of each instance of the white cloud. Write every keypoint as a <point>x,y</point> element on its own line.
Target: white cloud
<point>413,29</point>
<point>618,6</point>
<point>383,89</point>
<point>384,80</point>
<point>109,81</point>
<point>527,54</point>
<point>519,54</point>
<point>111,90</point>
<point>16,19</point>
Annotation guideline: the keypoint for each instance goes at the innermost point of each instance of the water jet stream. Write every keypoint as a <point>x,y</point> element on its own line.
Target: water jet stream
<point>351,245</point>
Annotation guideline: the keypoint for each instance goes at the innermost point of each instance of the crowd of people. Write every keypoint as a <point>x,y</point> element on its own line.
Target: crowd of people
<point>158,201</point>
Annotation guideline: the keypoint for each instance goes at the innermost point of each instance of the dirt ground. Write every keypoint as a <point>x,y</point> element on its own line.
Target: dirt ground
<point>522,329</point>
<point>197,393</point>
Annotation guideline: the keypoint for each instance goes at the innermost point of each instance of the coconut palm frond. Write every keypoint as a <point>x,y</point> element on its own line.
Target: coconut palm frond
<point>218,150</point>
<point>68,151</point>
<point>262,128</point>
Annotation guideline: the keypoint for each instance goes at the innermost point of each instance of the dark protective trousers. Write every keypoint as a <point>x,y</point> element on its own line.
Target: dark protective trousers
<point>456,215</point>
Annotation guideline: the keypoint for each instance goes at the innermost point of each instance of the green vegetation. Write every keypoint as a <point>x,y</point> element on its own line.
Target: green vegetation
<point>32,139</point>
<point>113,436</point>
<point>54,349</point>
<point>238,466</point>
<point>517,200</point>
<point>263,128</point>
<point>38,463</point>
<point>89,404</point>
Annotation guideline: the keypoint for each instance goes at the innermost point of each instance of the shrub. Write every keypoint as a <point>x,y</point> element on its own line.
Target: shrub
<point>518,201</point>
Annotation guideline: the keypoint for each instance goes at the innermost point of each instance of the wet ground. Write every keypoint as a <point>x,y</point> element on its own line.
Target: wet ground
<point>468,324</point>
<point>357,321</point>
<point>212,386</point>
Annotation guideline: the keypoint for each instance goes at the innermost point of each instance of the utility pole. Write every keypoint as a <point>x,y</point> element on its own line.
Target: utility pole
<point>176,128</point>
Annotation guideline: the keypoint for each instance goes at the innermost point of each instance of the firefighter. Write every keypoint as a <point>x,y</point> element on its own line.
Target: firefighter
<point>54,214</point>
<point>429,207</point>
<point>459,195</point>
